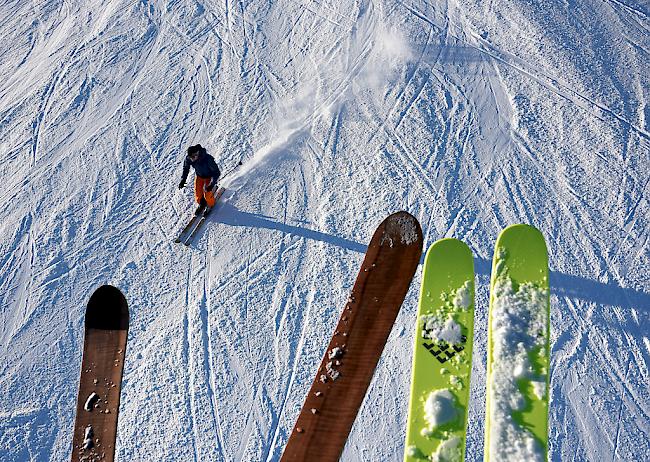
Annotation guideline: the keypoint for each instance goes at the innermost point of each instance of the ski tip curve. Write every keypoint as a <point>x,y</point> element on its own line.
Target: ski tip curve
<point>522,231</point>
<point>449,245</point>
<point>525,240</point>
<point>401,229</point>
<point>107,309</point>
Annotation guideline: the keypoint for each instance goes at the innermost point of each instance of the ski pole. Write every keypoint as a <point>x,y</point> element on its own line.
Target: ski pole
<point>232,170</point>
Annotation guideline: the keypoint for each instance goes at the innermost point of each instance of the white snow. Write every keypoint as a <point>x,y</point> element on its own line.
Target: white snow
<point>539,388</point>
<point>440,408</point>
<point>331,371</point>
<point>470,115</point>
<point>448,451</point>
<point>456,382</point>
<point>437,328</point>
<point>463,297</point>
<point>335,352</point>
<point>90,401</point>
<point>413,451</point>
<point>88,437</point>
<point>518,317</point>
<point>441,326</point>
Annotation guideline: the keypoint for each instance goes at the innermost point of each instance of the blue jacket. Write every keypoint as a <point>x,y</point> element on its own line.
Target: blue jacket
<point>204,166</point>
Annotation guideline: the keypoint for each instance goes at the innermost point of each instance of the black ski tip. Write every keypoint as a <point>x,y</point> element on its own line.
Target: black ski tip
<point>107,309</point>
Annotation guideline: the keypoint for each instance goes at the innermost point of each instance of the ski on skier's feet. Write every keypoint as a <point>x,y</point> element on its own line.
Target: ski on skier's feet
<point>199,225</point>
<point>196,222</point>
<point>186,230</point>
<point>199,210</point>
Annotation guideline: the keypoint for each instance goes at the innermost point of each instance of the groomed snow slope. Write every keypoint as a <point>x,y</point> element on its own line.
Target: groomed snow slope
<point>471,115</point>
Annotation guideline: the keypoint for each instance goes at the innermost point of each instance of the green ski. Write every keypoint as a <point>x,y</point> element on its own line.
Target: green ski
<point>442,357</point>
<point>516,426</point>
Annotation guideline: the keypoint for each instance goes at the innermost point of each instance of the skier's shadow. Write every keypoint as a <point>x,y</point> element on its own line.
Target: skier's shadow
<point>563,285</point>
<point>567,285</point>
<point>230,215</point>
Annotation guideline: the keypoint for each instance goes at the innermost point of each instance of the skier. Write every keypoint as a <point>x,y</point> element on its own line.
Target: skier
<point>207,175</point>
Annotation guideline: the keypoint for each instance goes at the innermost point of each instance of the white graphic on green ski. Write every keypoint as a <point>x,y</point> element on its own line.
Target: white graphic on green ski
<point>516,425</point>
<point>442,357</point>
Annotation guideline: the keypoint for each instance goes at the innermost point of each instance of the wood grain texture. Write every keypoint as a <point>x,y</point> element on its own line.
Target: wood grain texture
<point>331,405</point>
<point>107,323</point>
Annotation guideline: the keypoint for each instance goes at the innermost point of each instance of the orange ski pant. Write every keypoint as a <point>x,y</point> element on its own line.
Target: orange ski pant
<point>200,191</point>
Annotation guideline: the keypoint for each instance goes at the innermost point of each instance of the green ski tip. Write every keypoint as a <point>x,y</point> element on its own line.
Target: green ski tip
<point>442,357</point>
<point>518,348</point>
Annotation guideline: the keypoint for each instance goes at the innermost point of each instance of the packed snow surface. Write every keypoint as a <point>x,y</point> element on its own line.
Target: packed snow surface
<point>470,115</point>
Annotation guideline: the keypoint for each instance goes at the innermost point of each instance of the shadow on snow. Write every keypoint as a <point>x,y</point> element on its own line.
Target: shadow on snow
<point>230,215</point>
<point>567,285</point>
<point>563,285</point>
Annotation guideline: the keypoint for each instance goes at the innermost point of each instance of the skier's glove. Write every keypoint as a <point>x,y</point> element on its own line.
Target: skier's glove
<point>210,186</point>
<point>181,185</point>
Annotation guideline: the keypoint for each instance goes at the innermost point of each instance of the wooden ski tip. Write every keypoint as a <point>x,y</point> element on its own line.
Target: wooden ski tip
<point>107,309</point>
<point>367,318</point>
<point>401,229</point>
<point>100,381</point>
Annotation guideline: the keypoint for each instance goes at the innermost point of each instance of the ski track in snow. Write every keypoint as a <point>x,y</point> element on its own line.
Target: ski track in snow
<point>470,115</point>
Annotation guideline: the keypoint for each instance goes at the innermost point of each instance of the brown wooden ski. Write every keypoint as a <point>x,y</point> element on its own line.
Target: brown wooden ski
<point>98,402</point>
<point>349,362</point>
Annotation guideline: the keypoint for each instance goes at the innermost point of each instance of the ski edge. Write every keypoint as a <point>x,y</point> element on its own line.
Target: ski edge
<point>185,230</point>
